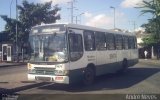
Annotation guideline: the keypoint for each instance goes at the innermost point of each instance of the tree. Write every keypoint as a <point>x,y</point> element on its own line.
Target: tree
<point>4,36</point>
<point>30,14</point>
<point>10,28</point>
<point>149,40</point>
<point>151,29</point>
<point>153,25</point>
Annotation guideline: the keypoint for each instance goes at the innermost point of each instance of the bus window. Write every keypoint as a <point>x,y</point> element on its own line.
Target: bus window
<point>135,39</point>
<point>118,42</point>
<point>89,40</point>
<point>76,46</point>
<point>110,41</point>
<point>131,42</point>
<point>100,41</point>
<point>125,42</point>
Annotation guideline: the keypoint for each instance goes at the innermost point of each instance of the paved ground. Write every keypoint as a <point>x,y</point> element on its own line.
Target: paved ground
<point>150,62</point>
<point>9,64</point>
<point>140,79</point>
<point>143,61</point>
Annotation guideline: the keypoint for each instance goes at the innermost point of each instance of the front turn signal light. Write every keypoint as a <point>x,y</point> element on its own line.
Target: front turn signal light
<point>29,66</point>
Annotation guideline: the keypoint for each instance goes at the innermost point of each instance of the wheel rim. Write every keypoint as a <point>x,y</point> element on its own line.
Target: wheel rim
<point>88,77</point>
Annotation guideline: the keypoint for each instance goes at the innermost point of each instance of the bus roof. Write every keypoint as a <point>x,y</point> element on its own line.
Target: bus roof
<point>77,26</point>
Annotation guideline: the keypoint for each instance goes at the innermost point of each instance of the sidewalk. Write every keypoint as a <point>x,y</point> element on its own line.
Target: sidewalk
<point>150,62</point>
<point>8,64</point>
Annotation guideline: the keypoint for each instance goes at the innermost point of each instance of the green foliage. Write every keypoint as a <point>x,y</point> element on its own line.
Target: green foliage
<point>4,36</point>
<point>149,40</point>
<point>153,25</point>
<point>10,27</point>
<point>30,14</point>
<point>150,27</point>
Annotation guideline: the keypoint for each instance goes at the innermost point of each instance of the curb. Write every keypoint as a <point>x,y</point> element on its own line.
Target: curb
<point>9,65</point>
<point>150,62</point>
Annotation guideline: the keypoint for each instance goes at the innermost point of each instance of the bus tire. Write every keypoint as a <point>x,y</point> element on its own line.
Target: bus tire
<point>89,76</point>
<point>124,67</point>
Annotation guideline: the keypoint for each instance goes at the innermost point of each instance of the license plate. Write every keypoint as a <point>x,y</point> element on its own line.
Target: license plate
<point>43,78</point>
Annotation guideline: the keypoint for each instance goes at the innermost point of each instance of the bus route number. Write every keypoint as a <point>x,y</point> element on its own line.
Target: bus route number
<point>112,56</point>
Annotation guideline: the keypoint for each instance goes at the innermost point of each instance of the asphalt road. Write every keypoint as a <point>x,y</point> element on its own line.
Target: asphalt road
<point>140,79</point>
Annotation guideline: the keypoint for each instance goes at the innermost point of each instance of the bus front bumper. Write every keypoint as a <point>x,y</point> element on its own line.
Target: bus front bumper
<point>49,78</point>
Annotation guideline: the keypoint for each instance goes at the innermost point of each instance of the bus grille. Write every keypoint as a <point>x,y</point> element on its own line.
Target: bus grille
<point>44,71</point>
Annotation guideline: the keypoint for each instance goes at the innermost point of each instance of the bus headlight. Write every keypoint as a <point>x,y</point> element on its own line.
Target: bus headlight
<point>61,72</point>
<point>30,66</point>
<point>31,71</point>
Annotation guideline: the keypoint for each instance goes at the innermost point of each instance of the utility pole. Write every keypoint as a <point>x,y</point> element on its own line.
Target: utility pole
<point>114,16</point>
<point>17,32</point>
<point>77,17</point>
<point>72,9</point>
<point>134,25</point>
<point>10,7</point>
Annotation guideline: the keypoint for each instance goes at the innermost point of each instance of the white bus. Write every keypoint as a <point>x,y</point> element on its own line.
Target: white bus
<point>70,53</point>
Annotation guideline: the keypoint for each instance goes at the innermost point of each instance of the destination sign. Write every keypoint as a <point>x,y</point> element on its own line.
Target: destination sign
<point>49,29</point>
<point>45,30</point>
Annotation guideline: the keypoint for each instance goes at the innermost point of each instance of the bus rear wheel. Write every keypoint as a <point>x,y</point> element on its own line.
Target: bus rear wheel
<point>89,76</point>
<point>124,67</point>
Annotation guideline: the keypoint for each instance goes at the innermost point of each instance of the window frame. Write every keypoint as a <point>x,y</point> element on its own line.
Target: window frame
<point>131,42</point>
<point>99,42</point>
<point>85,33</point>
<point>125,42</point>
<point>110,44</point>
<point>118,42</point>
<point>80,52</point>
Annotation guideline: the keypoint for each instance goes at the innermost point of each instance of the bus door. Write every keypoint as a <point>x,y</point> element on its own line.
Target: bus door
<point>101,48</point>
<point>6,52</point>
<point>76,52</point>
<point>9,53</point>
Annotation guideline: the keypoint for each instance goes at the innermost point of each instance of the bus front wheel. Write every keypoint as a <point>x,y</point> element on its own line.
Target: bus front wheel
<point>89,76</point>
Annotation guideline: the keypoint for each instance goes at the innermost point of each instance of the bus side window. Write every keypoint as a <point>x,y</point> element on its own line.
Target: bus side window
<point>118,42</point>
<point>110,41</point>
<point>125,42</point>
<point>75,46</point>
<point>89,40</point>
<point>131,42</point>
<point>135,40</point>
<point>100,41</point>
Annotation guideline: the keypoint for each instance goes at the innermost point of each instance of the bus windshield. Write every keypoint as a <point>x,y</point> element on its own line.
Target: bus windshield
<point>48,47</point>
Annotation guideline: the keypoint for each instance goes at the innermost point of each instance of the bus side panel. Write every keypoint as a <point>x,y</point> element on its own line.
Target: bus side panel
<point>120,58</point>
<point>126,54</point>
<point>110,63</point>
<point>77,67</point>
<point>134,57</point>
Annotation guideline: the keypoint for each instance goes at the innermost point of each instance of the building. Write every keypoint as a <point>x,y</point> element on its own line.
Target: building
<point>7,48</point>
